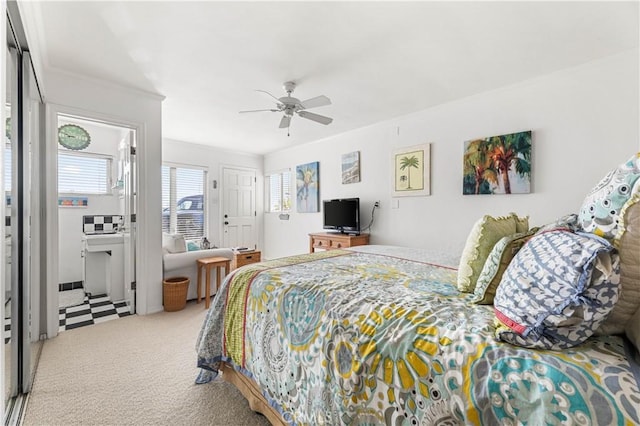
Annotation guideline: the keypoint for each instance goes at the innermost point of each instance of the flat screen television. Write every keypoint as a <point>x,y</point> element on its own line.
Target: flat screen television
<point>342,215</point>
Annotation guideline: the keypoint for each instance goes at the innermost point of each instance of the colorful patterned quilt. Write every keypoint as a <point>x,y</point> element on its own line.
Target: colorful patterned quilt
<point>379,336</point>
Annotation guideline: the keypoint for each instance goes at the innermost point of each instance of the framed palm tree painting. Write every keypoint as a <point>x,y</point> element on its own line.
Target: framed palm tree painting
<point>411,171</point>
<point>498,165</point>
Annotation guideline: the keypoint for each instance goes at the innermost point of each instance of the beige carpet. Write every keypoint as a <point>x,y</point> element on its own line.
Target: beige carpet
<point>134,370</point>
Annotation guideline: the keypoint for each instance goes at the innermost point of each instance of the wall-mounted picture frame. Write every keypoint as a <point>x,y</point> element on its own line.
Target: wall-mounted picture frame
<point>308,188</point>
<point>351,167</point>
<point>73,201</point>
<point>412,171</point>
<point>497,165</point>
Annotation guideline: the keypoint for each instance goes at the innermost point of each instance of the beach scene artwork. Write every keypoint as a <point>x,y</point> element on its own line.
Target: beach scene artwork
<point>351,167</point>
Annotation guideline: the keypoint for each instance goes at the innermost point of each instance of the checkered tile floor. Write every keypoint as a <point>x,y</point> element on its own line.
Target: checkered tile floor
<point>7,330</point>
<point>94,310</point>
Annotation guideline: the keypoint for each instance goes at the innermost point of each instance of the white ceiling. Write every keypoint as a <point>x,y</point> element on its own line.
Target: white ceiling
<point>375,60</point>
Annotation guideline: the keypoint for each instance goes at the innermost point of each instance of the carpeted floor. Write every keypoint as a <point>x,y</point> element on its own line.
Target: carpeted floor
<point>134,370</point>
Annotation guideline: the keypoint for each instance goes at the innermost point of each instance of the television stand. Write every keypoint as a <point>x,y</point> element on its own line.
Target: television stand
<point>333,240</point>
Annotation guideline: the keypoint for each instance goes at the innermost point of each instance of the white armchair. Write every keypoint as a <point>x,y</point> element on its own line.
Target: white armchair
<point>177,262</point>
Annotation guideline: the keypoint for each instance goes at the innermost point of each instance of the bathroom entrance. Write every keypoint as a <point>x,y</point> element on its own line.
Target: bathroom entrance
<point>96,221</point>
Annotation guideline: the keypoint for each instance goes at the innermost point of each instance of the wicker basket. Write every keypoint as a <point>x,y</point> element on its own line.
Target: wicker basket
<point>174,293</point>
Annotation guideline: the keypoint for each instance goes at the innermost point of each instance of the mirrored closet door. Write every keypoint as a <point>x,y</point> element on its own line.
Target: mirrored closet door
<point>21,164</point>
<point>10,138</point>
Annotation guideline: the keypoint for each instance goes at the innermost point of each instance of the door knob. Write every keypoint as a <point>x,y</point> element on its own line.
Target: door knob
<point>226,216</point>
<point>226,223</point>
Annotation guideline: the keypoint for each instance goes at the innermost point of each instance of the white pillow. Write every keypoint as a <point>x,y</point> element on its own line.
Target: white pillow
<point>174,243</point>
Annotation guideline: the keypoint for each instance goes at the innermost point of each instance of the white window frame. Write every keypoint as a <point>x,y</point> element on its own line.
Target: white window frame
<point>109,171</point>
<point>173,198</point>
<point>282,190</point>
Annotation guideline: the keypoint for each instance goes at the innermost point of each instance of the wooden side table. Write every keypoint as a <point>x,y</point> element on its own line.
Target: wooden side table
<point>208,263</point>
<point>245,258</point>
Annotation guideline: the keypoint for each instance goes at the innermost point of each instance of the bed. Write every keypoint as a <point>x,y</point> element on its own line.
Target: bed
<point>381,335</point>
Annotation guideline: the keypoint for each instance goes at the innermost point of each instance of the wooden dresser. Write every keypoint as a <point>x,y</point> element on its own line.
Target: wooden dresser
<point>244,258</point>
<point>331,241</point>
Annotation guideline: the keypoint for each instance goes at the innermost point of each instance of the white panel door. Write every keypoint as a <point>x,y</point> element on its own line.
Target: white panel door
<point>239,208</point>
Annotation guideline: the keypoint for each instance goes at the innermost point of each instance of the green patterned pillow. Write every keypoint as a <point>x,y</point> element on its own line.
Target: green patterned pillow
<point>497,263</point>
<point>485,233</point>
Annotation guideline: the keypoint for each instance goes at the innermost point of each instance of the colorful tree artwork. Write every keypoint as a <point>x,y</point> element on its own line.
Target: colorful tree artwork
<point>498,165</point>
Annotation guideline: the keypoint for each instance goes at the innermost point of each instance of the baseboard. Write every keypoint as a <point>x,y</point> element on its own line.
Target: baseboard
<point>70,285</point>
<point>153,310</point>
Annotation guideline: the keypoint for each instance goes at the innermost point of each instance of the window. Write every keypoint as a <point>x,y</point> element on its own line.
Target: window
<point>183,206</point>
<point>278,191</point>
<point>84,173</point>
<point>7,168</point>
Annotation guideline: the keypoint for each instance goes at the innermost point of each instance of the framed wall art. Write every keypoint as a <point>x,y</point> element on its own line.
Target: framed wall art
<point>351,167</point>
<point>411,171</point>
<point>497,165</point>
<point>73,202</point>
<point>308,188</point>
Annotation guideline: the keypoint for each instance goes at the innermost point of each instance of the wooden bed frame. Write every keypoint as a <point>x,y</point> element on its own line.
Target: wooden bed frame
<point>249,389</point>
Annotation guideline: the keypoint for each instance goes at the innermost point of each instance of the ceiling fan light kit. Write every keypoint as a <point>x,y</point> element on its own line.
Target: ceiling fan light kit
<point>289,106</point>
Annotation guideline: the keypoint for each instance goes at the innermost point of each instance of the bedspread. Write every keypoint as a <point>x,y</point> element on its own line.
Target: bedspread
<point>377,336</point>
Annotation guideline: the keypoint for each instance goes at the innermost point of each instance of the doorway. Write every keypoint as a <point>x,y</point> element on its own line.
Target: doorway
<point>239,208</point>
<point>96,220</point>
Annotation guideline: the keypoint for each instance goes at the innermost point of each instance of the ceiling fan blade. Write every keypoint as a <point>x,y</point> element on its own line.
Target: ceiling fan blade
<point>286,120</point>
<point>259,110</point>
<point>315,117</point>
<point>318,101</point>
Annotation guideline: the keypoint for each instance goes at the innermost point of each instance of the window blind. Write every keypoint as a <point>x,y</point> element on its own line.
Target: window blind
<point>7,168</point>
<point>83,174</point>
<point>279,192</point>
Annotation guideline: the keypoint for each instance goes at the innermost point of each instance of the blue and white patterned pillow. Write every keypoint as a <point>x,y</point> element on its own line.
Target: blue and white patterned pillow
<point>600,211</point>
<point>557,290</point>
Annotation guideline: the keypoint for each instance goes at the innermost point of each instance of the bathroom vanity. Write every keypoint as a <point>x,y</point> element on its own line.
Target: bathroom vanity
<point>103,266</point>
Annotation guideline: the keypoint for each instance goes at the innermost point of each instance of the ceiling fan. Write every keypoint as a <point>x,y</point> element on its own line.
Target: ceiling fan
<point>290,105</point>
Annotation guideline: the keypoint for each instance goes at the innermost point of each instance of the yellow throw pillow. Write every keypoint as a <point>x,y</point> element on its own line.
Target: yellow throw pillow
<point>486,232</point>
<point>628,243</point>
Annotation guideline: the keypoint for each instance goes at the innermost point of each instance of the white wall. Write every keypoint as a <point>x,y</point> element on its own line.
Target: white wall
<point>104,141</point>
<point>584,122</point>
<point>71,93</point>
<point>213,159</point>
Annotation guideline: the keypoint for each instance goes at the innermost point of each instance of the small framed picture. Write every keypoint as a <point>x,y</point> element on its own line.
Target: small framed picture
<point>411,171</point>
<point>351,167</point>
